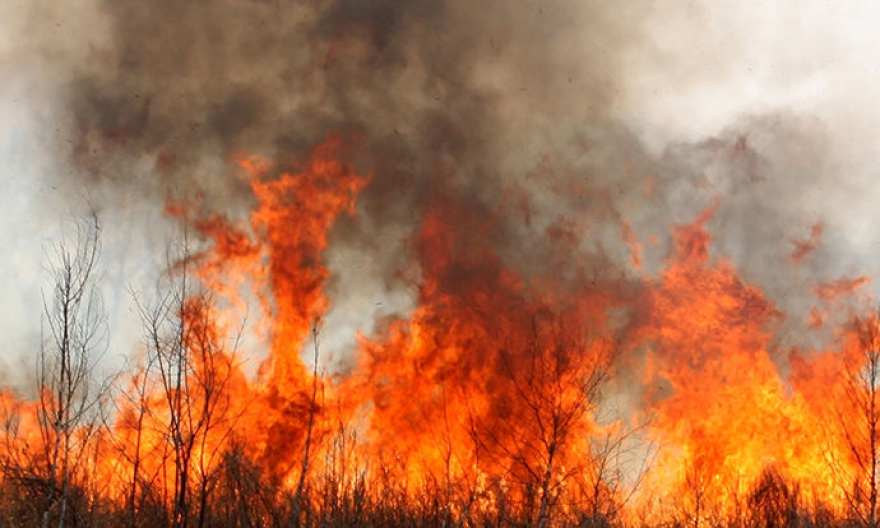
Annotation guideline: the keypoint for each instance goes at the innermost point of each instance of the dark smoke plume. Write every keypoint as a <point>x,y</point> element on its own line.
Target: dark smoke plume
<point>477,100</point>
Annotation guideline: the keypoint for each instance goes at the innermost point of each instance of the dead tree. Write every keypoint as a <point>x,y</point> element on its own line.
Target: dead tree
<point>296,510</point>
<point>551,381</point>
<point>74,339</point>
<point>192,363</point>
<point>131,414</point>
<point>857,410</point>
<point>604,491</point>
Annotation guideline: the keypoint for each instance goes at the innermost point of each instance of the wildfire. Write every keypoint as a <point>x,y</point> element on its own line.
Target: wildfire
<point>492,394</point>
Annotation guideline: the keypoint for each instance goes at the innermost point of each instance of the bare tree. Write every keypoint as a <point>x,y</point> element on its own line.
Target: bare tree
<point>605,489</point>
<point>553,379</point>
<point>193,365</point>
<point>296,510</point>
<point>74,339</point>
<point>857,413</point>
<point>130,416</point>
<point>773,502</point>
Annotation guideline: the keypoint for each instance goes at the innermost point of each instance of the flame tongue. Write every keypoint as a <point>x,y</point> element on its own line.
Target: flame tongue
<point>461,392</point>
<point>492,388</point>
<point>719,400</point>
<point>277,256</point>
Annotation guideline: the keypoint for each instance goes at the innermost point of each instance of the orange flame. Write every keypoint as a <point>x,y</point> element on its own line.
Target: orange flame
<point>491,393</point>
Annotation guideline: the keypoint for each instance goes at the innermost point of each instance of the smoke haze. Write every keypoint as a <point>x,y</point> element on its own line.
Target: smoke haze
<point>620,120</point>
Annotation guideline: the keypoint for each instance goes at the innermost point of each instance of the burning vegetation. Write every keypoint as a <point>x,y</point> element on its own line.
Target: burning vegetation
<point>593,334</point>
<point>568,396</point>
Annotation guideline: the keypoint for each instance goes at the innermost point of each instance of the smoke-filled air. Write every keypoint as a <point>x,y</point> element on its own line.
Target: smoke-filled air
<point>424,263</point>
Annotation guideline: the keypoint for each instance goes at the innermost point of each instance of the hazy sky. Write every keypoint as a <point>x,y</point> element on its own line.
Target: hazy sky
<point>696,70</point>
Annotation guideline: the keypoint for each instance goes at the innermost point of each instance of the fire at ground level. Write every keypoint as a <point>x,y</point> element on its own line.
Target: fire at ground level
<point>573,394</point>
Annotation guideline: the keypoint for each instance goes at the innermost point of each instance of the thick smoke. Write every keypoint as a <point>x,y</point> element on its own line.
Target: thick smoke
<point>445,97</point>
<point>469,91</point>
<point>477,100</point>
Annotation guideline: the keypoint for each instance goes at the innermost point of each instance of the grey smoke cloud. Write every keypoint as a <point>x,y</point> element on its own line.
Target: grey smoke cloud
<point>755,106</point>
